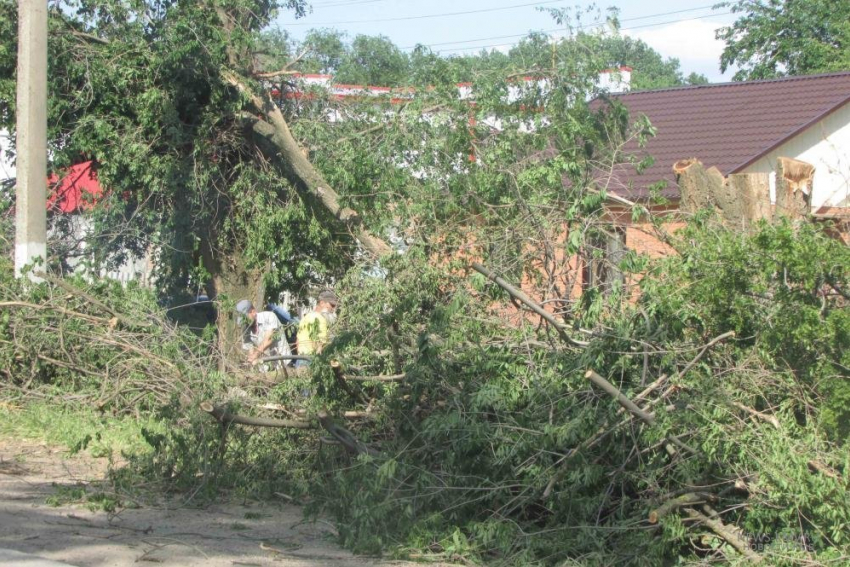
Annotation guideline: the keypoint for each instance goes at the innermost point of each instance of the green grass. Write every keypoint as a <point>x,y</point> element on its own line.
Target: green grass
<point>78,494</point>
<point>78,429</point>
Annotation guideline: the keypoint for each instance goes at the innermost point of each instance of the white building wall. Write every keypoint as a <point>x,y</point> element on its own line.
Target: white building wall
<point>826,145</point>
<point>77,258</point>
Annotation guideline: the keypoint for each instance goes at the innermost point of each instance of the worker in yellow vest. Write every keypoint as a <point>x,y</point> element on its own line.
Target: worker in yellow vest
<point>313,329</point>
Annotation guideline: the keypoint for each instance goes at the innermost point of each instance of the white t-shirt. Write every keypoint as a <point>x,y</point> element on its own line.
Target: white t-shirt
<point>267,322</point>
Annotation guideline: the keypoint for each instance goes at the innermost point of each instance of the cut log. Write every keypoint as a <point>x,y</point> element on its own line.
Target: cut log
<point>753,193</point>
<point>741,199</point>
<point>726,198</point>
<point>697,185</point>
<point>794,179</point>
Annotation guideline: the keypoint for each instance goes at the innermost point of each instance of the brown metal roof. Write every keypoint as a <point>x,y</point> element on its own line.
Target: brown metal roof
<point>727,125</point>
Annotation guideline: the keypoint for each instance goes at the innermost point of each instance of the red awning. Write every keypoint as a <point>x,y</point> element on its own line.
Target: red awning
<point>79,189</point>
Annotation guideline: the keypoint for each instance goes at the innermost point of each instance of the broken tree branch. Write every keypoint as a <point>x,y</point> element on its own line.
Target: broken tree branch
<point>223,416</point>
<point>605,429</point>
<point>730,535</point>
<point>348,414</point>
<point>689,499</point>
<point>349,441</point>
<point>286,357</point>
<point>55,308</point>
<point>624,401</point>
<point>824,469</point>
<point>276,131</point>
<point>286,68</point>
<point>600,434</point>
<point>699,355</point>
<point>385,378</point>
<point>755,413</point>
<point>59,282</point>
<point>519,295</point>
<point>336,366</point>
<point>341,434</point>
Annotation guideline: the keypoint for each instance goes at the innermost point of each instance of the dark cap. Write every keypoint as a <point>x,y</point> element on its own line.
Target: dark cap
<point>329,297</point>
<point>243,307</point>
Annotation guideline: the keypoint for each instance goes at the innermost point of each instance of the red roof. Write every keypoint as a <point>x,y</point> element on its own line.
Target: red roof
<point>729,125</point>
<point>78,189</point>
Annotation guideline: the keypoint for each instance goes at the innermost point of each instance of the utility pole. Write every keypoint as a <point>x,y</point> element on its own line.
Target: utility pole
<point>31,165</point>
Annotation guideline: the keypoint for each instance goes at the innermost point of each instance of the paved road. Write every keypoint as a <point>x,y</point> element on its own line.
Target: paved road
<point>170,534</point>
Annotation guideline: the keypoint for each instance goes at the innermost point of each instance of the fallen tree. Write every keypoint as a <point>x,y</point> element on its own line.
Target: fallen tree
<point>746,338</point>
<point>496,445</point>
<point>697,458</point>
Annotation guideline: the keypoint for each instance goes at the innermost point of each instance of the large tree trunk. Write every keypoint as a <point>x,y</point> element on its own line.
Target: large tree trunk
<point>753,190</point>
<point>231,281</point>
<point>794,188</point>
<point>740,199</point>
<point>697,185</point>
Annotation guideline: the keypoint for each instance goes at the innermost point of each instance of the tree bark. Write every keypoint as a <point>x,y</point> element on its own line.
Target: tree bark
<point>753,190</point>
<point>292,159</point>
<point>519,295</point>
<point>221,415</point>
<point>741,198</point>
<point>794,180</point>
<point>231,281</point>
<point>696,184</point>
<point>731,534</point>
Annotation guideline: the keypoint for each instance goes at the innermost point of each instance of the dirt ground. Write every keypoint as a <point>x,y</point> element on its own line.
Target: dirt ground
<point>224,534</point>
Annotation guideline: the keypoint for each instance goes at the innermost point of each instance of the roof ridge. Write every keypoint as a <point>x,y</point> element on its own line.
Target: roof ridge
<point>738,83</point>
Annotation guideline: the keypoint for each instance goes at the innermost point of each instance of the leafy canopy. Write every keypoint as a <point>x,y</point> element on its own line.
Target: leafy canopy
<point>774,38</point>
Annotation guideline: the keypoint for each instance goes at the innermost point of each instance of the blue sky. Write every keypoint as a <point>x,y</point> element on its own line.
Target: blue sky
<point>682,29</point>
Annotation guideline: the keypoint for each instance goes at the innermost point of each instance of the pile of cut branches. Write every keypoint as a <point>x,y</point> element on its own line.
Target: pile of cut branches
<point>707,421</point>
<point>100,344</point>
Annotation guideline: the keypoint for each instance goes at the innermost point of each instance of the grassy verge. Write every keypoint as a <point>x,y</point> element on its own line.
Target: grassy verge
<point>78,429</point>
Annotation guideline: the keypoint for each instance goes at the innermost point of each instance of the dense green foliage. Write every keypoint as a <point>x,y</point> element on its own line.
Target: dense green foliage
<point>489,413</point>
<point>495,409</point>
<point>483,449</point>
<point>137,88</point>
<point>122,381</point>
<point>773,38</point>
<point>375,60</point>
<point>650,69</point>
<point>784,293</point>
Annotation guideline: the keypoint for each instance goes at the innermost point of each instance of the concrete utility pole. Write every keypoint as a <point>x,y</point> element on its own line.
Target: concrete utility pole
<point>31,190</point>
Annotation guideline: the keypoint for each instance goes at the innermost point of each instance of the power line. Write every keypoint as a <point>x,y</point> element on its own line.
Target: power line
<point>350,3</point>
<point>560,29</point>
<point>579,27</point>
<point>422,17</point>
